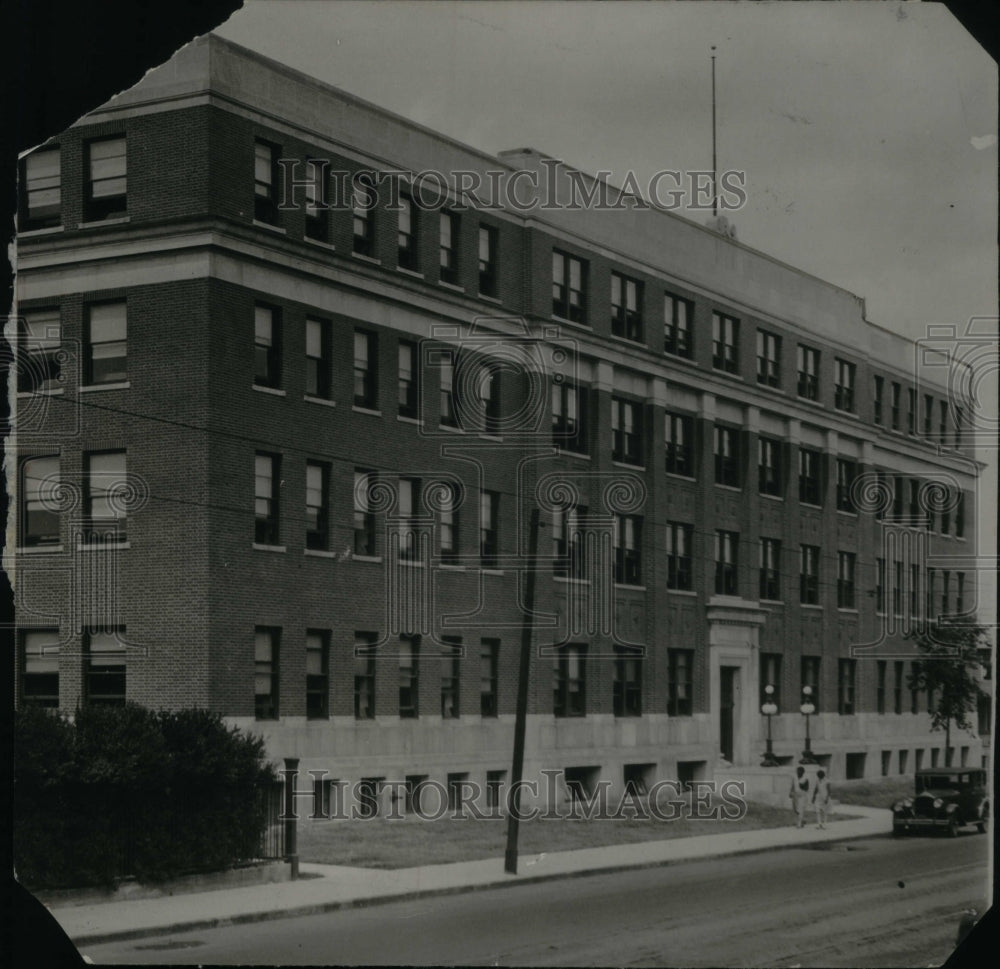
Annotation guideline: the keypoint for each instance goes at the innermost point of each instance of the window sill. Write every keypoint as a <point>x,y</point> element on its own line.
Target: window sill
<point>99,546</point>
<point>37,549</point>
<point>403,419</point>
<point>627,341</point>
<point>363,258</point>
<point>736,488</point>
<point>810,605</point>
<point>848,609</point>
<point>582,326</point>
<point>273,391</point>
<point>48,230</point>
<point>452,286</point>
<point>451,429</point>
<point>269,548</point>
<point>413,273</point>
<point>366,558</point>
<point>562,452</point>
<point>773,602</point>
<point>764,385</point>
<point>844,511</point>
<point>490,299</point>
<point>116,220</point>
<point>679,477</point>
<point>365,410</point>
<point>492,571</point>
<point>319,400</point>
<point>771,497</point>
<point>451,568</point>
<point>568,580</point>
<point>634,588</point>
<point>682,592</point>
<point>410,564</point>
<point>319,553</point>
<point>809,504</point>
<point>117,385</point>
<point>53,392</point>
<point>489,437</point>
<point>727,375</point>
<point>319,243</point>
<point>270,227</point>
<point>628,467</point>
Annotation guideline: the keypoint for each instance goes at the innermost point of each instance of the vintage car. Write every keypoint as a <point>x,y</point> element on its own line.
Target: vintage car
<point>945,799</point>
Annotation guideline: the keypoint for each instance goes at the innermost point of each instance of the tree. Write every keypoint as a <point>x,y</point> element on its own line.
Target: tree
<point>951,659</point>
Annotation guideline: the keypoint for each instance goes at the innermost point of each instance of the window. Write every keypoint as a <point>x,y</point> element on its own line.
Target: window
<point>408,673</point>
<point>265,181</point>
<point>494,785</point>
<point>929,606</point>
<point>897,497</point>
<point>40,667</point>
<point>914,511</point>
<point>845,580</point>
<point>364,518</point>
<point>266,511</point>
<point>41,190</point>
<point>808,387</point>
<point>914,690</point>
<point>487,261</point>
<point>409,379</point>
<point>267,346</point>
<point>364,217</point>
<point>106,343</point>
<point>809,575</point>
<point>959,424</point>
<point>769,466</point>
<point>843,394</point>
<point>106,486</point>
<point>568,542</point>
<point>488,391</point>
<point>318,359</point>
<point>911,411</point>
<point>880,579</point>
<point>846,676</point>
<point>316,205</point>
<point>317,505</point>
<point>450,678</point>
<point>677,316</point>
<point>810,678</point>
<point>960,593</point>
<point>680,663</point>
<point>317,674</point>
<point>770,569</point>
<point>627,685</point>
<point>449,412</point>
<point>489,659</point>
<point>960,515</point>
<point>448,247</point>
<point>770,675</point>
<point>626,307</point>
<point>727,456</point>
<point>107,182</point>
<point>678,440</point>
<point>847,471</point>
<point>725,347</point>
<point>878,399</point>
<point>768,359</point>
<point>928,415</point>
<point>364,675</point>
<point>39,506</point>
<point>569,280</point>
<point>448,521</point>
<point>809,486</point>
<point>913,590</point>
<point>943,422</point>
<point>266,644</point>
<point>39,368</point>
<point>896,392</point>
<point>726,550</point>
<point>569,413</point>
<point>365,370</point>
<point>407,236</point>
<point>489,505</point>
<point>626,431</point>
<point>570,689</point>
<point>897,686</point>
<point>897,589</point>
<point>104,681</point>
<point>946,513</point>
<point>679,556</point>
<point>628,550</point>
<point>409,502</point>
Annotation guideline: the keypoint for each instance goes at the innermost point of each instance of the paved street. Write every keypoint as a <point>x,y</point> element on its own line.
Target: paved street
<point>875,902</point>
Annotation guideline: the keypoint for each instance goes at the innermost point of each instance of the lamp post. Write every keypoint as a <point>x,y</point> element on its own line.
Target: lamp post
<point>769,708</point>
<point>808,708</point>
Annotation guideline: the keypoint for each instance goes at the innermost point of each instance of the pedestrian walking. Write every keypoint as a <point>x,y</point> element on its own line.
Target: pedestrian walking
<point>800,795</point>
<point>821,798</point>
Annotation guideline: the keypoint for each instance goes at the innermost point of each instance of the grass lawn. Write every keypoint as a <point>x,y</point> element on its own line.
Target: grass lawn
<point>410,842</point>
<point>879,792</point>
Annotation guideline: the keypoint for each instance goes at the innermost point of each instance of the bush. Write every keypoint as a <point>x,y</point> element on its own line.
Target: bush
<point>127,791</point>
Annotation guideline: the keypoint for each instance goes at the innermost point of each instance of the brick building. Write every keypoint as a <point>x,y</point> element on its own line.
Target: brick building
<point>277,456</point>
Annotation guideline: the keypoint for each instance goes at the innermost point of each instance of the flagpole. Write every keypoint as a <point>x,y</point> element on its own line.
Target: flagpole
<point>715,190</point>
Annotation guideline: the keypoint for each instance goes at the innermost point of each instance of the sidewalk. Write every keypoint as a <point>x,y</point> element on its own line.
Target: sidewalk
<point>329,887</point>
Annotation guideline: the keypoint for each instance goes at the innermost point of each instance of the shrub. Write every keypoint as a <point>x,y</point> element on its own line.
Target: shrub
<point>127,791</point>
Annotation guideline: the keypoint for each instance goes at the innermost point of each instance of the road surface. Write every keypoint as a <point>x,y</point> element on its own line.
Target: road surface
<point>875,902</point>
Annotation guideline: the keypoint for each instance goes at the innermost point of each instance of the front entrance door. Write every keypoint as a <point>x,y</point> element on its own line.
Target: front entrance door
<point>728,685</point>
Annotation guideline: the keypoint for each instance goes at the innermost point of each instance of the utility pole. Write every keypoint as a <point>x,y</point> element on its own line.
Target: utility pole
<point>715,183</point>
<point>521,717</point>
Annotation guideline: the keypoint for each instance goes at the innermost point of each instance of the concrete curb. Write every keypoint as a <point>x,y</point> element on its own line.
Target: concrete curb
<point>319,908</point>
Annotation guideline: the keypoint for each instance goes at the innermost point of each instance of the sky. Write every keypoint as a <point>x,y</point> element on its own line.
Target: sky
<point>867,130</point>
